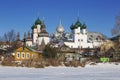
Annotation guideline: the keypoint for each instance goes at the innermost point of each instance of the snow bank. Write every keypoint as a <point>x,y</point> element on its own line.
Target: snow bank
<point>101,71</point>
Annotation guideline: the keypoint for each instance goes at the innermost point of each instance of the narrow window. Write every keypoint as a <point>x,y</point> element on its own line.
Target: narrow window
<point>23,55</point>
<point>27,56</point>
<point>18,55</point>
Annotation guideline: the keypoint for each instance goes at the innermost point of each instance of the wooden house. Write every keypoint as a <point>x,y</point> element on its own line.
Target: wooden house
<point>26,53</point>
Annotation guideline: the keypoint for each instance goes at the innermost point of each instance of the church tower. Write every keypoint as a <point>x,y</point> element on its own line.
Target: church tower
<point>76,29</point>
<point>79,32</point>
<point>36,29</point>
<point>27,39</point>
<point>43,35</point>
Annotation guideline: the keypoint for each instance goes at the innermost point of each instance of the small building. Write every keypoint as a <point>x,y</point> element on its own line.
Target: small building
<point>67,54</point>
<point>26,53</point>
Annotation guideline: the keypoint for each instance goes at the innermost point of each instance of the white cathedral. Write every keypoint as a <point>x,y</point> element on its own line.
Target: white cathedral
<point>79,37</point>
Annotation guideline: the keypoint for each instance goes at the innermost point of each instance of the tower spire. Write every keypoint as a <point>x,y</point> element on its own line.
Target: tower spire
<point>18,36</point>
<point>43,21</point>
<point>38,14</point>
<point>25,35</point>
<point>43,18</point>
<point>28,34</point>
<point>60,23</point>
<point>78,16</point>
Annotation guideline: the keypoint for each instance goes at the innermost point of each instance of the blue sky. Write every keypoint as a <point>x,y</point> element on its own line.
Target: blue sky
<point>20,15</point>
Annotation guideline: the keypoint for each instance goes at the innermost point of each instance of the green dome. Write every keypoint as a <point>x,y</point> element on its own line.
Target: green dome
<point>84,26</point>
<point>37,21</point>
<point>72,27</point>
<point>34,26</point>
<point>77,24</point>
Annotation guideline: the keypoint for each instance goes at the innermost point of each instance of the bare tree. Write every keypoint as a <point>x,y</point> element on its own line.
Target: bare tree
<point>10,36</point>
<point>1,39</point>
<point>116,29</point>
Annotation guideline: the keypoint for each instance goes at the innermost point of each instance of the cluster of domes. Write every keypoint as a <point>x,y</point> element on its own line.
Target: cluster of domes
<point>78,24</point>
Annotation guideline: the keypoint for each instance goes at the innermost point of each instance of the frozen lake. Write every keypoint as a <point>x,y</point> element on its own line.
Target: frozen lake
<point>90,72</point>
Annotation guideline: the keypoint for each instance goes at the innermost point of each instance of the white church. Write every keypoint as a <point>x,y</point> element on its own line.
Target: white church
<point>39,34</point>
<point>82,38</point>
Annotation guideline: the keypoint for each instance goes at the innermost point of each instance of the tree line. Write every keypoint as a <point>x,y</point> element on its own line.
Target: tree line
<point>10,36</point>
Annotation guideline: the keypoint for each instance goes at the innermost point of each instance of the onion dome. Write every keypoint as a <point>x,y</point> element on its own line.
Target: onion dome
<point>84,26</point>
<point>37,22</point>
<point>60,28</point>
<point>34,26</point>
<point>72,27</point>
<point>77,24</point>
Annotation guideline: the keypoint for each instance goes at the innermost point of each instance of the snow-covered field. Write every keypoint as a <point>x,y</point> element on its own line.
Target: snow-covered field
<point>105,71</point>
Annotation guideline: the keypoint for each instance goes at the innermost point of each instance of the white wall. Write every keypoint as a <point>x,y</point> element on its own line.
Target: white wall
<point>35,36</point>
<point>46,40</point>
<point>38,28</point>
<point>77,30</point>
<point>28,43</point>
